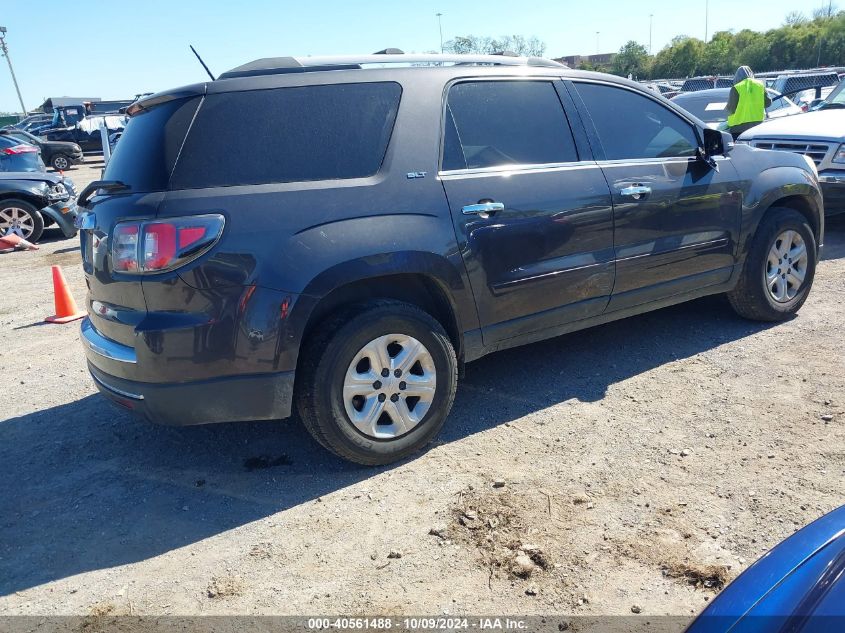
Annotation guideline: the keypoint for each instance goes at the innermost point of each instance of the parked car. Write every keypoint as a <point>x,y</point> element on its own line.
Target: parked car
<point>835,100</point>
<point>819,135</point>
<point>86,133</point>
<point>32,200</point>
<point>797,586</point>
<point>58,154</point>
<point>709,106</point>
<point>400,216</point>
<point>28,121</point>
<point>16,156</point>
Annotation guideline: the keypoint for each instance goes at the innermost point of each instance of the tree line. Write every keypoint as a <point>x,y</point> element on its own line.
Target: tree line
<point>801,42</point>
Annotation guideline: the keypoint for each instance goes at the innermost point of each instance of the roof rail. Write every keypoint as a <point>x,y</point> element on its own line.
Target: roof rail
<point>282,65</point>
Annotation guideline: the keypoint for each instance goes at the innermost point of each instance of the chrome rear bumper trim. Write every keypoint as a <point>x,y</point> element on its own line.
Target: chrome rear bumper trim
<point>120,392</point>
<point>106,347</point>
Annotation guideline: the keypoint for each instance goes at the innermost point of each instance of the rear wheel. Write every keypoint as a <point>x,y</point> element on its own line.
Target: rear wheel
<point>779,269</point>
<point>22,219</point>
<point>377,382</point>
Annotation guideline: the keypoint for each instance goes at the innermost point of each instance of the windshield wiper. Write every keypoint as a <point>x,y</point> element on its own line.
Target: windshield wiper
<point>830,105</point>
<point>111,186</point>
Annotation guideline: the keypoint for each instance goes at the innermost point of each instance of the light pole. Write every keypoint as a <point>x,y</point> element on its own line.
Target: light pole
<point>5,50</point>
<point>706,19</point>
<point>440,27</point>
<point>597,42</point>
<point>650,30</point>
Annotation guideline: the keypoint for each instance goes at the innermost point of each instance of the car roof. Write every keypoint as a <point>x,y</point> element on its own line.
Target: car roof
<point>703,95</point>
<point>275,72</point>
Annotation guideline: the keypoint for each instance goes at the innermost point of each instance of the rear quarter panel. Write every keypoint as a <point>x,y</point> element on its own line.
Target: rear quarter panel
<point>306,239</point>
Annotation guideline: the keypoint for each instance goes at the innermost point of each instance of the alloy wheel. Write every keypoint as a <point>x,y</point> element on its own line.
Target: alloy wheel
<point>16,220</point>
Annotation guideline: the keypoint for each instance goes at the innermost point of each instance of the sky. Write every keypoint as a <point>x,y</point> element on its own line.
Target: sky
<point>115,50</point>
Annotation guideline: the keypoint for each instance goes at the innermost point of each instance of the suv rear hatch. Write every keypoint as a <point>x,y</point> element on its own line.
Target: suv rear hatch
<point>139,172</point>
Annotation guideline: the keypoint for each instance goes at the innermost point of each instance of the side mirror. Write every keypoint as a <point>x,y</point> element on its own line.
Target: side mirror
<point>716,142</point>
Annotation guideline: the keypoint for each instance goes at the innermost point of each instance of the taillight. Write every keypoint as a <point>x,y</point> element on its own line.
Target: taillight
<point>157,246</point>
<point>23,148</point>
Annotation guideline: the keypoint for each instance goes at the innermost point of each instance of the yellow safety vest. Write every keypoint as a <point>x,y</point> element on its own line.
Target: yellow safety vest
<point>751,107</point>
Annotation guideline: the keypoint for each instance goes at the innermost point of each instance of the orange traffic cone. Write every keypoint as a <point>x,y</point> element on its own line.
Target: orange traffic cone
<point>66,309</point>
<point>13,241</point>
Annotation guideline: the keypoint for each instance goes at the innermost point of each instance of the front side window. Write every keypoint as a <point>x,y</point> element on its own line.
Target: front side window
<point>493,123</point>
<point>632,126</point>
<point>328,132</point>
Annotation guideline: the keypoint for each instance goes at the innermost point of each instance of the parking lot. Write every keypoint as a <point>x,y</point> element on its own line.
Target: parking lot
<point>646,462</point>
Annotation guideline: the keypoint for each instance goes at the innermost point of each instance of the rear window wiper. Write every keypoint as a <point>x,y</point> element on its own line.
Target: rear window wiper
<point>111,186</point>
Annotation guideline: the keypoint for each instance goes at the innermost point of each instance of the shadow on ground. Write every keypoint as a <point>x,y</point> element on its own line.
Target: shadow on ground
<point>87,487</point>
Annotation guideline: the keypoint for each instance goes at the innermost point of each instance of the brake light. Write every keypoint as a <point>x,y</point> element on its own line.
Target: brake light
<point>152,247</point>
<point>23,148</point>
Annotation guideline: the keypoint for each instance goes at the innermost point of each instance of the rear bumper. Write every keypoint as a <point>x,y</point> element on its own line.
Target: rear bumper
<point>232,399</point>
<point>832,184</point>
<point>246,397</point>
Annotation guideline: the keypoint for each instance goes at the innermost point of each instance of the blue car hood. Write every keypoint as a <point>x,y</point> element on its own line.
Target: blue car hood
<point>799,585</point>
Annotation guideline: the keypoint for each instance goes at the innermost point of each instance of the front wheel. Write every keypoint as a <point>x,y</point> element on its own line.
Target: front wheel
<point>60,162</point>
<point>22,219</point>
<point>377,382</point>
<point>779,268</point>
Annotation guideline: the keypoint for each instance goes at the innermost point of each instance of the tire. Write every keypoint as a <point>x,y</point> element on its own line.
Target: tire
<point>755,297</point>
<point>324,405</point>
<point>60,162</point>
<point>21,218</point>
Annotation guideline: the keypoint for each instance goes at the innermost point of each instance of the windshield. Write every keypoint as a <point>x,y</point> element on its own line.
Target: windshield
<point>26,137</point>
<point>836,99</point>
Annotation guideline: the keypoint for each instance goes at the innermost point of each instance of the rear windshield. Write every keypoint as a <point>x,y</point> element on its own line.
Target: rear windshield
<point>146,152</point>
<point>708,110</point>
<point>305,133</point>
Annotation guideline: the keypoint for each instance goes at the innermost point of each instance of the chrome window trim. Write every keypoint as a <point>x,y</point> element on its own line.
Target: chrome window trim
<point>500,170</point>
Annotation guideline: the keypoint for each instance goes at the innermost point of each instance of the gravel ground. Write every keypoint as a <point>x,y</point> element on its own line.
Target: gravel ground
<point>638,464</point>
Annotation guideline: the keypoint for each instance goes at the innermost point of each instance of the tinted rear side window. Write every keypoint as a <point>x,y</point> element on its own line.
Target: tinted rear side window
<point>305,133</point>
<point>147,151</point>
<point>506,123</point>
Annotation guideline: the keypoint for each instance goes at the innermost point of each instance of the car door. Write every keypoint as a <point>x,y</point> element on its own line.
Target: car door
<point>531,210</point>
<point>676,217</point>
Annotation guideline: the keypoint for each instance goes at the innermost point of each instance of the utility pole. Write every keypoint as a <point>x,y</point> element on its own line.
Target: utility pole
<point>650,30</point>
<point>440,26</point>
<point>706,19</point>
<point>5,50</point>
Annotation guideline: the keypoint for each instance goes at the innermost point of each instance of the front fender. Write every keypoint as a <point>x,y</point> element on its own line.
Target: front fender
<point>770,187</point>
<point>63,219</point>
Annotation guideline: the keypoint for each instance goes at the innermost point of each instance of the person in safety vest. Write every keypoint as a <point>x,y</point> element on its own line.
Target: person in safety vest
<point>747,102</point>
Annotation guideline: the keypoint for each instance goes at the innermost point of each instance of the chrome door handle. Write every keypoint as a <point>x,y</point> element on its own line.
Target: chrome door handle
<point>483,208</point>
<point>635,191</point>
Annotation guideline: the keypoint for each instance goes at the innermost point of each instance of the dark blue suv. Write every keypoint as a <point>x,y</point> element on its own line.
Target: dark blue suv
<point>337,236</point>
